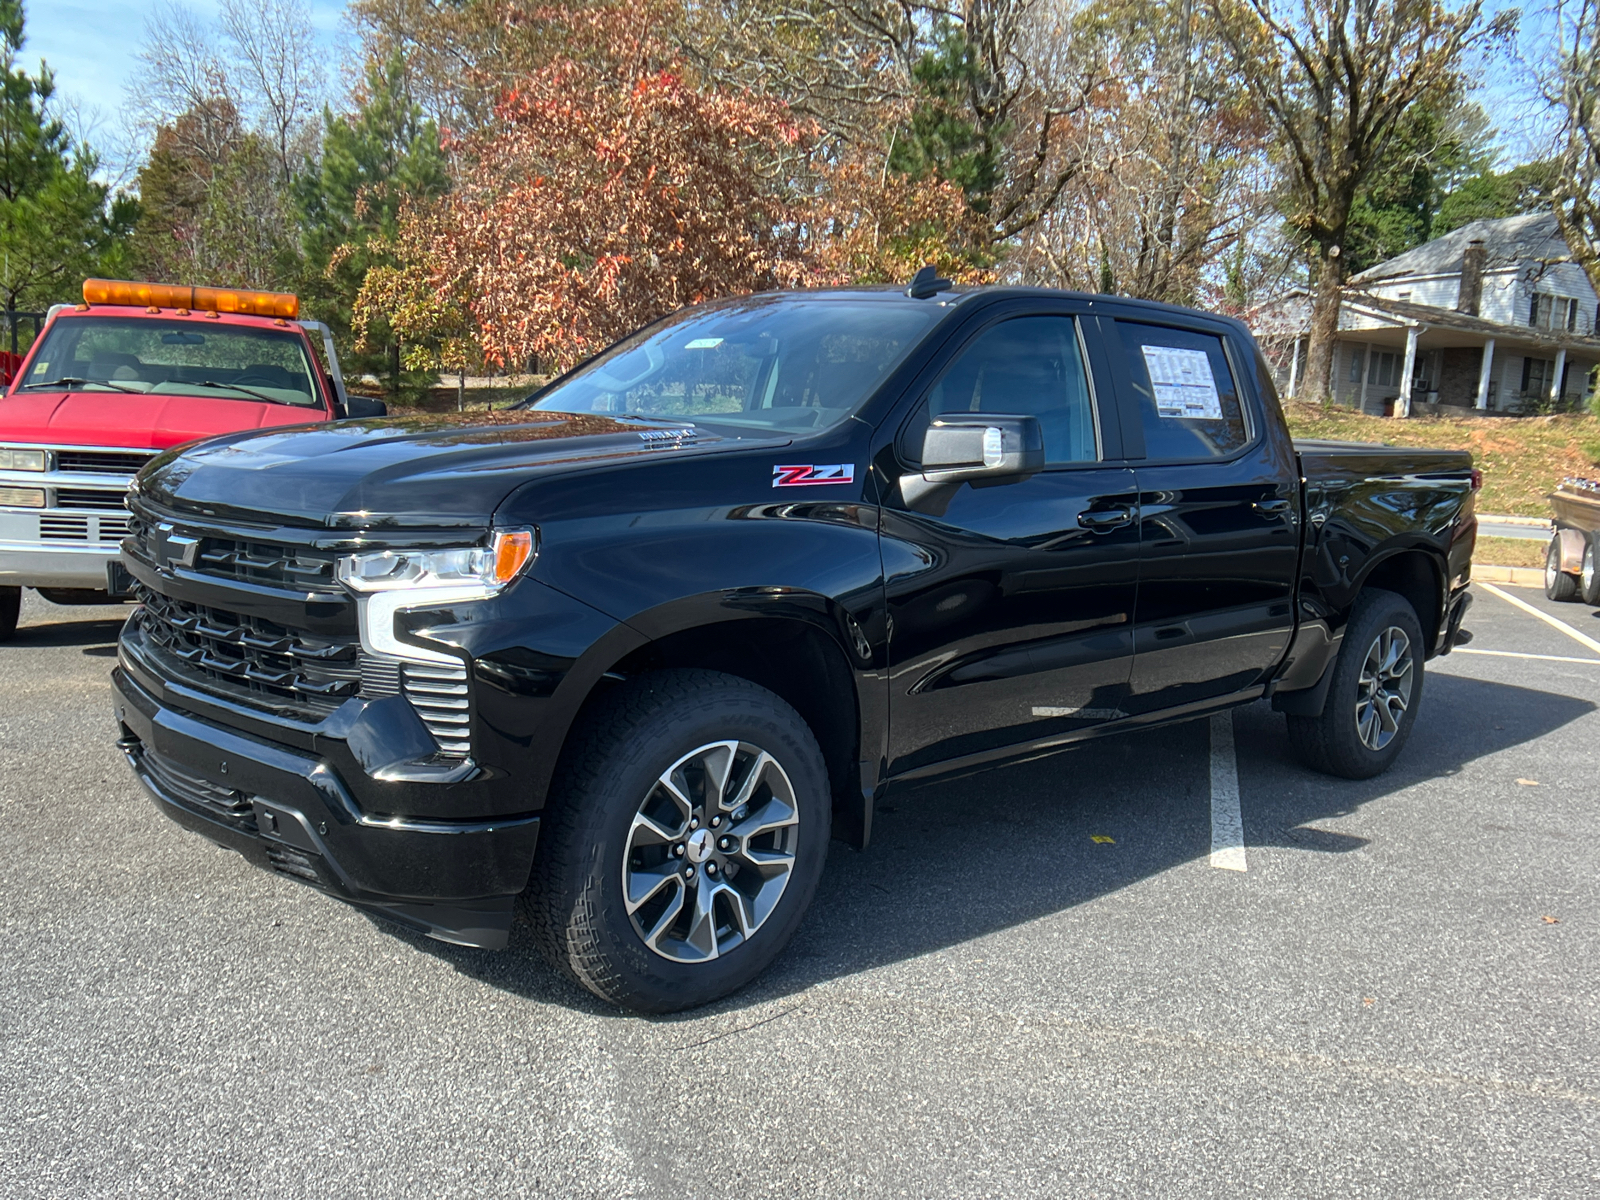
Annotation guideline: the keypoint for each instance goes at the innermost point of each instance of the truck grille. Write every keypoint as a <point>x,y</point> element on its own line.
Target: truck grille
<point>101,462</point>
<point>64,527</point>
<point>248,653</point>
<point>89,498</point>
<point>268,564</point>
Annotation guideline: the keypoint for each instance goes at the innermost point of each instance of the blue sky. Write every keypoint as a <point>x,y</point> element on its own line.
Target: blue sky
<point>91,44</point>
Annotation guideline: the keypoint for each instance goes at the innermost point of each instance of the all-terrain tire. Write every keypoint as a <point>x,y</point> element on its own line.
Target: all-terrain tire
<point>1558,585</point>
<point>10,606</point>
<point>611,767</point>
<point>1334,742</point>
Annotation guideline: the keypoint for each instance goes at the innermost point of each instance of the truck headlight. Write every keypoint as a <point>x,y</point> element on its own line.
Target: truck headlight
<point>21,460</point>
<point>387,582</point>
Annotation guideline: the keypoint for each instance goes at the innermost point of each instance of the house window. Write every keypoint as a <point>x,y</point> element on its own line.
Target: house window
<point>1386,369</point>
<point>1552,312</point>
<point>1355,365</point>
<point>1536,376</point>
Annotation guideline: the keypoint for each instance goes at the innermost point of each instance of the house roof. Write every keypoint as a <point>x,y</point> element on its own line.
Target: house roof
<point>1448,318</point>
<point>1507,241</point>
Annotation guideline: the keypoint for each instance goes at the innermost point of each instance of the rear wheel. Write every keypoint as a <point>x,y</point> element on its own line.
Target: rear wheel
<point>10,606</point>
<point>1373,696</point>
<point>1588,578</point>
<point>686,835</point>
<point>1558,585</point>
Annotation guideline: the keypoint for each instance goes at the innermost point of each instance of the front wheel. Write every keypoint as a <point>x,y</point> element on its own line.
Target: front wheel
<point>10,607</point>
<point>1373,696</point>
<point>684,841</point>
<point>1558,585</point>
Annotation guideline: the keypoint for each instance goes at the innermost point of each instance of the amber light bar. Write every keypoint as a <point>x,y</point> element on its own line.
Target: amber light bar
<point>197,299</point>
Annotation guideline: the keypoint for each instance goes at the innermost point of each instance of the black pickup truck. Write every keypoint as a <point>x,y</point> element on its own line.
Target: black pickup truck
<point>627,656</point>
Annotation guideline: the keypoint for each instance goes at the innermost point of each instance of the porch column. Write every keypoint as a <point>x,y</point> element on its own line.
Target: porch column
<point>1555,384</point>
<point>1402,406</point>
<point>1483,376</point>
<point>1366,373</point>
<point>1294,367</point>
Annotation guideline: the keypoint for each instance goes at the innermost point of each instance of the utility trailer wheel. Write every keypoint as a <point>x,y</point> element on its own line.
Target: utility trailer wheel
<point>1589,578</point>
<point>10,606</point>
<point>1558,585</point>
<point>684,839</point>
<point>1374,694</point>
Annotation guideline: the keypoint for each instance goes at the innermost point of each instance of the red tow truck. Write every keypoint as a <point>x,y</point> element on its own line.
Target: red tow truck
<point>136,369</point>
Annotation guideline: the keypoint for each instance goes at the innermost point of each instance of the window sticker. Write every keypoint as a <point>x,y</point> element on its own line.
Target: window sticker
<point>1183,383</point>
<point>40,367</point>
<point>703,344</point>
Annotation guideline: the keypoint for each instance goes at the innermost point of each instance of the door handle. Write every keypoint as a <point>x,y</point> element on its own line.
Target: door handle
<point>1272,508</point>
<point>1105,520</point>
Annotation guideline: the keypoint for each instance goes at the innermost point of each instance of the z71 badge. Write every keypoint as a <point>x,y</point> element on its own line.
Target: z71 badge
<point>809,475</point>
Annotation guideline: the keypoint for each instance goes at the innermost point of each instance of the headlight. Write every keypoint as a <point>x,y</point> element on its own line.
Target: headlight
<point>490,567</point>
<point>387,582</point>
<point>21,460</point>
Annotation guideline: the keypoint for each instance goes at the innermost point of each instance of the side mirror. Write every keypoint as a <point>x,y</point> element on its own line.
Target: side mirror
<point>981,449</point>
<point>365,406</point>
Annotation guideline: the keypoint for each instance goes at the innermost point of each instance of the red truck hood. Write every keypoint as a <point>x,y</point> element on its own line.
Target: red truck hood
<point>136,422</point>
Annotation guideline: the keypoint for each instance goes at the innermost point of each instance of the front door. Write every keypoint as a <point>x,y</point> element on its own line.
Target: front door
<point>1218,505</point>
<point>1011,605</point>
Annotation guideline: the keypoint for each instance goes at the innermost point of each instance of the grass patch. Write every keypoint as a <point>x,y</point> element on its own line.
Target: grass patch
<point>1508,552</point>
<point>1522,458</point>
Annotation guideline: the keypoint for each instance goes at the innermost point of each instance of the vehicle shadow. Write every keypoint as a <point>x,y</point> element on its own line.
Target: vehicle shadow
<point>955,861</point>
<point>95,634</point>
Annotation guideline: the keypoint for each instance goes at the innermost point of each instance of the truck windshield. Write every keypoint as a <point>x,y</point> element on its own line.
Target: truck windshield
<point>174,357</point>
<point>774,363</point>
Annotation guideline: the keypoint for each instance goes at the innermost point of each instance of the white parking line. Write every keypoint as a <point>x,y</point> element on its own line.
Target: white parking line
<point>1543,616</point>
<point>1593,662</point>
<point>1227,826</point>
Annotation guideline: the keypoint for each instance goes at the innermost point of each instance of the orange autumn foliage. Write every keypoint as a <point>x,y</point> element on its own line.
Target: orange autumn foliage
<point>614,189</point>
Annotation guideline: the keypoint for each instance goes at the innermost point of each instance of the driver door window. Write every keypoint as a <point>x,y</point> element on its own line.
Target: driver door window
<point>1027,366</point>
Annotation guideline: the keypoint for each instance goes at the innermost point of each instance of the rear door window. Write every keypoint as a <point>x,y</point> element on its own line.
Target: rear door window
<point>1189,405</point>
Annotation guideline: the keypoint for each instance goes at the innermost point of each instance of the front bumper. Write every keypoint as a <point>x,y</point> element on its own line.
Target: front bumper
<point>293,814</point>
<point>30,565</point>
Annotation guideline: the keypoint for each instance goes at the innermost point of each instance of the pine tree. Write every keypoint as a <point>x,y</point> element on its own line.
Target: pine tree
<point>373,162</point>
<point>54,224</point>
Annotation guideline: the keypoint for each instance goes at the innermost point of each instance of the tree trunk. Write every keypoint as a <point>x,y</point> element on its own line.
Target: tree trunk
<point>1324,329</point>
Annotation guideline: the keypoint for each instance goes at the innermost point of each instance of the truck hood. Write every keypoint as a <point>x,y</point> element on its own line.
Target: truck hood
<point>422,472</point>
<point>135,422</point>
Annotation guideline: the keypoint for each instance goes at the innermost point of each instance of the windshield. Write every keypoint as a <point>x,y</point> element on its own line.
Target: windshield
<point>780,364</point>
<point>174,357</point>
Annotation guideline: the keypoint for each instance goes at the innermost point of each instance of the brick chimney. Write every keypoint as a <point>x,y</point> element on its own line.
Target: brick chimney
<point>1472,261</point>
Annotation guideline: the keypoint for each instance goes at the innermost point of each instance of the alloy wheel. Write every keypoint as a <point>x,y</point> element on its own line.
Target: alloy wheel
<point>710,851</point>
<point>1552,565</point>
<point>1588,570</point>
<point>1383,691</point>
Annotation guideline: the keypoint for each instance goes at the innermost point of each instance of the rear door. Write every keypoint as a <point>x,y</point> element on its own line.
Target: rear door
<point>1218,542</point>
<point>1012,604</point>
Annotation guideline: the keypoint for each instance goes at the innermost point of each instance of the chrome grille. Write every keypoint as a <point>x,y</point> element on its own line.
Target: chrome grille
<point>439,694</point>
<point>113,529</point>
<point>89,498</point>
<point>248,654</point>
<point>63,529</point>
<point>101,462</point>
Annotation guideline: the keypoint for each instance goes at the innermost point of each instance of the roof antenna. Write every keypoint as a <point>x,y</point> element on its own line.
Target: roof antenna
<point>926,282</point>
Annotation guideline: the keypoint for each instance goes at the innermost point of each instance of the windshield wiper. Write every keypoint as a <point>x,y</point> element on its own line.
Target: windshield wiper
<point>232,387</point>
<point>74,381</point>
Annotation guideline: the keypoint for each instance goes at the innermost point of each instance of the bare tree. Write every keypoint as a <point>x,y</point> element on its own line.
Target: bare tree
<point>1175,159</point>
<point>181,72</point>
<point>1572,86</point>
<point>279,73</point>
<point>1334,77</point>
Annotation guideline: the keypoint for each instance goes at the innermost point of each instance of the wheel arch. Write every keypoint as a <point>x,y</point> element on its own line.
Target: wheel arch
<point>794,645</point>
<point>1418,575</point>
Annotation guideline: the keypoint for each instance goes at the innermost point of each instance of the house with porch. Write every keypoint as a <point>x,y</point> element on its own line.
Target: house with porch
<point>1493,316</point>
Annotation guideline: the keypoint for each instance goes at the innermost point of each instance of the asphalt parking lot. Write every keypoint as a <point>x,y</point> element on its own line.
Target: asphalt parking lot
<point>1035,983</point>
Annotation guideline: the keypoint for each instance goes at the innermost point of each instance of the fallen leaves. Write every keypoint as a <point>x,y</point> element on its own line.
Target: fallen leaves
<point>1528,782</point>
<point>1101,839</point>
<point>1549,920</point>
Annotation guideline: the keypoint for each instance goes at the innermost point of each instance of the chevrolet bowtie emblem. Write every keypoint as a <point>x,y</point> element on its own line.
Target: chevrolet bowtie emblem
<point>174,549</point>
